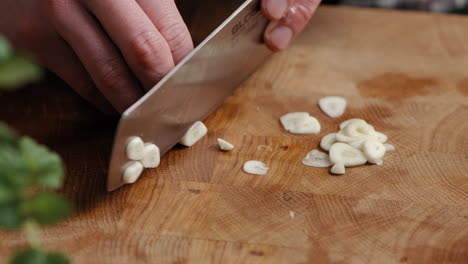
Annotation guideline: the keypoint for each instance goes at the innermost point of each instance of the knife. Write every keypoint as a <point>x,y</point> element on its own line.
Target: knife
<point>194,88</point>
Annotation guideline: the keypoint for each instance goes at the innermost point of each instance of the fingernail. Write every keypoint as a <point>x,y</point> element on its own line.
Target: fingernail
<point>281,36</point>
<point>277,8</point>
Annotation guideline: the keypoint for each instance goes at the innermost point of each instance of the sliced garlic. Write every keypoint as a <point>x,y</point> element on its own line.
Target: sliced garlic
<point>357,143</point>
<point>224,145</point>
<point>255,167</point>
<point>389,147</point>
<point>333,106</point>
<point>151,157</point>
<point>132,172</point>
<point>261,147</point>
<point>300,123</point>
<point>292,214</point>
<point>373,150</point>
<point>381,137</point>
<point>135,148</point>
<point>349,156</point>
<point>345,123</point>
<point>379,163</point>
<point>317,159</point>
<point>327,141</point>
<point>341,137</point>
<point>359,129</point>
<point>196,132</point>
<point>338,169</point>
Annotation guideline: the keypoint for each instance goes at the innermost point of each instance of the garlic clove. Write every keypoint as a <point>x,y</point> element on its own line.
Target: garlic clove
<point>132,172</point>
<point>135,148</point>
<point>317,159</point>
<point>196,132</point>
<point>151,157</point>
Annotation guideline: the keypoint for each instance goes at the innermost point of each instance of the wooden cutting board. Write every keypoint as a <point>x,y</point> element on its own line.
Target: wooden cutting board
<point>406,73</point>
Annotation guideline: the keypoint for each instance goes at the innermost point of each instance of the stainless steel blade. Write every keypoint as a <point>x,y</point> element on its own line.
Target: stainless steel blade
<point>195,88</point>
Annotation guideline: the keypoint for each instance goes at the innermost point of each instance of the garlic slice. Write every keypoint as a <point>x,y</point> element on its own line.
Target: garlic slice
<point>300,123</point>
<point>345,123</point>
<point>357,143</point>
<point>338,169</point>
<point>255,167</point>
<point>224,145</point>
<point>135,148</point>
<point>381,137</point>
<point>389,147</point>
<point>373,150</point>
<point>333,106</point>
<point>341,137</point>
<point>317,159</point>
<point>349,156</point>
<point>132,172</point>
<point>327,141</point>
<point>196,132</point>
<point>359,129</point>
<point>151,157</point>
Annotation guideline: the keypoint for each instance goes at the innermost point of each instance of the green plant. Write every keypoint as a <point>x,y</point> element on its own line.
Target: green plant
<point>16,69</point>
<point>29,173</point>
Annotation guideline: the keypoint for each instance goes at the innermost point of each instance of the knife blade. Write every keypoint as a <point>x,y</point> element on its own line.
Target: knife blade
<point>195,87</point>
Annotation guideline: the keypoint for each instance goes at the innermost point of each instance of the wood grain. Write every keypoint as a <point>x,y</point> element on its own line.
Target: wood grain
<point>403,72</point>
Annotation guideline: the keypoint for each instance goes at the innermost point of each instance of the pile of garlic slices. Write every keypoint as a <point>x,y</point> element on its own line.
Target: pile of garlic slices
<point>357,143</point>
<point>141,155</point>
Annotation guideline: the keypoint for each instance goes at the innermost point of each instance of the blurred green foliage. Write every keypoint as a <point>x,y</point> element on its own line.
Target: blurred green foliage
<point>16,70</point>
<point>29,172</point>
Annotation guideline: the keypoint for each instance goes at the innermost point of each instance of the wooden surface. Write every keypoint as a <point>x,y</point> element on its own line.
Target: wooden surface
<point>406,73</point>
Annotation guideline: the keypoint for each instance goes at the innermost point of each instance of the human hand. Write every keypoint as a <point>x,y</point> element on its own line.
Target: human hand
<point>288,19</point>
<point>108,51</point>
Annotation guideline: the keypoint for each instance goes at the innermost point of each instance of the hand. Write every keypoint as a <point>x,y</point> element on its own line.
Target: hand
<point>289,18</point>
<point>109,51</point>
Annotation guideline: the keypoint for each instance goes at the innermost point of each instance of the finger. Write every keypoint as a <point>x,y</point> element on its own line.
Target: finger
<point>167,19</point>
<point>59,58</point>
<point>96,52</point>
<point>274,9</point>
<point>142,45</point>
<point>280,33</point>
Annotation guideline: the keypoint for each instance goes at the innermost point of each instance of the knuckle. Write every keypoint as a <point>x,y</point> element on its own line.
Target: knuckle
<point>147,48</point>
<point>176,35</point>
<point>111,74</point>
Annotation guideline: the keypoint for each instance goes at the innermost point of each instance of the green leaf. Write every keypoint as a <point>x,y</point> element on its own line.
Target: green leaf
<point>7,136</point>
<point>10,216</point>
<point>29,256</point>
<point>46,208</point>
<point>7,195</point>
<point>5,49</point>
<point>35,256</point>
<point>13,169</point>
<point>18,71</point>
<point>45,166</point>
<point>57,258</point>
